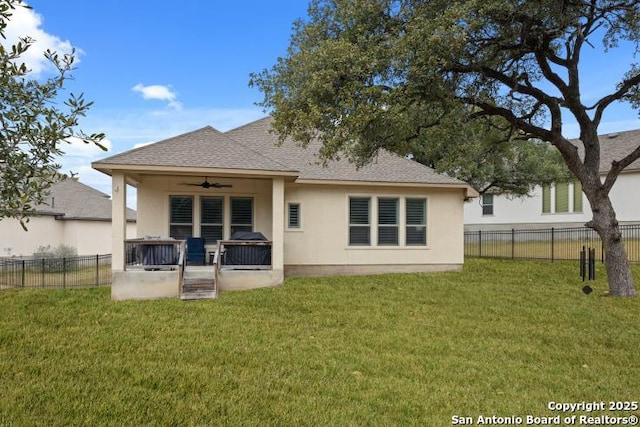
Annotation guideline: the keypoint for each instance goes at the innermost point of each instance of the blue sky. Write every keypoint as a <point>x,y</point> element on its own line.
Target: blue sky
<point>159,69</point>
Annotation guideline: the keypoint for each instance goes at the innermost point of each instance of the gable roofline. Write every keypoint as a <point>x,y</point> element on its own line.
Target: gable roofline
<point>164,154</point>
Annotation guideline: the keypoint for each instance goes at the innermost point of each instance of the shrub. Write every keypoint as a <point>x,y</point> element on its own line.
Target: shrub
<point>59,258</point>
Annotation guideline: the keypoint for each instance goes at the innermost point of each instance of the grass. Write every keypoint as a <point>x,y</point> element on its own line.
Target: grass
<point>501,338</point>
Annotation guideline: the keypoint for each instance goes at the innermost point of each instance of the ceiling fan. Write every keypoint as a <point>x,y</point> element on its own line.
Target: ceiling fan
<point>207,184</point>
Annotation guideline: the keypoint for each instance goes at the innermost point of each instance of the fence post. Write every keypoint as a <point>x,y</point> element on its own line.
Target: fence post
<point>480,243</point>
<point>23,273</point>
<point>553,235</point>
<point>64,273</point>
<point>513,243</point>
<point>97,270</point>
<point>42,273</point>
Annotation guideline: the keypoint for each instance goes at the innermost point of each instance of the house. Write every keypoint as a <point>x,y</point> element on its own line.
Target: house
<point>563,204</point>
<point>74,215</point>
<point>393,215</point>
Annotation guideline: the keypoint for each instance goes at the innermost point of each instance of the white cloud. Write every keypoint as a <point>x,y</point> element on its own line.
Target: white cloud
<point>159,92</point>
<point>26,22</point>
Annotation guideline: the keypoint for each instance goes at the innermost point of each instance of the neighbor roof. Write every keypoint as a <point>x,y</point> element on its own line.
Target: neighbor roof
<point>254,147</point>
<point>617,145</point>
<point>71,199</point>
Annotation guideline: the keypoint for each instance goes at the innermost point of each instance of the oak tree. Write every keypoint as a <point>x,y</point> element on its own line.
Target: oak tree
<point>36,119</point>
<point>361,75</point>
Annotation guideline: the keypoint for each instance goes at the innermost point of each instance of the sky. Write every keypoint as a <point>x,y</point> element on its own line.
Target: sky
<point>159,69</point>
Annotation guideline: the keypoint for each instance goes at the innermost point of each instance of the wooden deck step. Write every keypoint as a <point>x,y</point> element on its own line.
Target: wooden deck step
<point>198,288</point>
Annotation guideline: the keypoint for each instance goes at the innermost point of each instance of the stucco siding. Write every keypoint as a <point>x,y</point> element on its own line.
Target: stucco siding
<point>527,211</point>
<point>87,237</point>
<point>323,236</point>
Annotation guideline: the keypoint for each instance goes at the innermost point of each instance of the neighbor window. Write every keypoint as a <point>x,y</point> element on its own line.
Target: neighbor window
<point>416,221</point>
<point>241,214</point>
<point>487,204</point>
<point>211,218</point>
<point>566,197</point>
<point>294,215</point>
<point>359,222</point>
<point>181,217</point>
<point>387,221</point>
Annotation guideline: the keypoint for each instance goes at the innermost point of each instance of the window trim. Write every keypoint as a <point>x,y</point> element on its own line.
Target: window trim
<point>368,225</point>
<point>211,224</point>
<point>297,227</point>
<point>484,205</point>
<point>374,220</point>
<point>424,224</point>
<point>395,226</point>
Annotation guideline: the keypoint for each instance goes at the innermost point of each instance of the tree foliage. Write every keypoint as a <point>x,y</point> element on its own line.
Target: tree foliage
<point>457,82</point>
<point>33,126</point>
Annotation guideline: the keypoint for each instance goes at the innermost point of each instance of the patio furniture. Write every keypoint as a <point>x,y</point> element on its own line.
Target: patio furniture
<point>195,250</point>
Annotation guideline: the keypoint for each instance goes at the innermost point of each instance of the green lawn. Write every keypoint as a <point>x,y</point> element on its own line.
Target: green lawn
<point>502,338</point>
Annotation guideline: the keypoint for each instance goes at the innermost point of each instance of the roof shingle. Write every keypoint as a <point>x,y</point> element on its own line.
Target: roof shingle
<point>70,199</point>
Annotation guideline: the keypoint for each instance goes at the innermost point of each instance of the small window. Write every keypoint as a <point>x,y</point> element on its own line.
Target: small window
<point>181,217</point>
<point>546,199</point>
<point>241,214</point>
<point>577,196</point>
<point>211,218</point>
<point>294,215</point>
<point>359,223</point>
<point>562,197</point>
<point>387,221</point>
<point>487,204</point>
<point>416,220</point>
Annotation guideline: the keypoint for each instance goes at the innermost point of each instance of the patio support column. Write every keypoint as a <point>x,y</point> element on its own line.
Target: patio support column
<point>277,255</point>
<point>118,220</point>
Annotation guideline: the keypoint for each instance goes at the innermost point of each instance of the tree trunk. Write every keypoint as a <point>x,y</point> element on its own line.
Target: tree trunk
<point>616,260</point>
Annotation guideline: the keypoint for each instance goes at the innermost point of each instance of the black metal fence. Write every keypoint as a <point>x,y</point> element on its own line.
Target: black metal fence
<point>55,273</point>
<point>552,244</point>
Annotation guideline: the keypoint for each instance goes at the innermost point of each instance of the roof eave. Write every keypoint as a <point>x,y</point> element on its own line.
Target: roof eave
<point>470,192</point>
<point>108,169</point>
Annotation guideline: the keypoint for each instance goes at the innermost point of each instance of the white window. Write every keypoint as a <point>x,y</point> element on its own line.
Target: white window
<point>416,220</point>
<point>294,216</point>
<point>388,221</point>
<point>359,222</point>
<point>241,214</point>
<point>487,204</point>
<point>181,217</point>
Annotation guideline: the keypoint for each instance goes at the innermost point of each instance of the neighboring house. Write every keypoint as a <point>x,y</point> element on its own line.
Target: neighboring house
<point>393,215</point>
<point>74,214</point>
<point>563,204</point>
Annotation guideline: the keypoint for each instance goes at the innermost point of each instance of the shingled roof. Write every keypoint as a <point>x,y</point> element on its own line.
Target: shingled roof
<point>617,145</point>
<point>71,199</point>
<point>253,147</point>
<point>205,148</point>
<point>386,167</point>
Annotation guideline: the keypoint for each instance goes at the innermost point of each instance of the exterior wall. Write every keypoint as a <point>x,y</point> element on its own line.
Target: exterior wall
<point>322,239</point>
<point>153,202</point>
<point>526,212</point>
<point>88,237</point>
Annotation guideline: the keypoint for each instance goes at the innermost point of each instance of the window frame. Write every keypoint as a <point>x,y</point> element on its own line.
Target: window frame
<point>390,226</point>
<point>204,224</point>
<point>487,208</point>
<point>173,223</point>
<point>298,225</point>
<point>424,222</point>
<point>353,226</point>
<point>234,225</point>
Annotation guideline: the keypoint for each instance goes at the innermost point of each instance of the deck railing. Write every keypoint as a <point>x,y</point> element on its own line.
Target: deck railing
<point>243,255</point>
<point>154,254</point>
